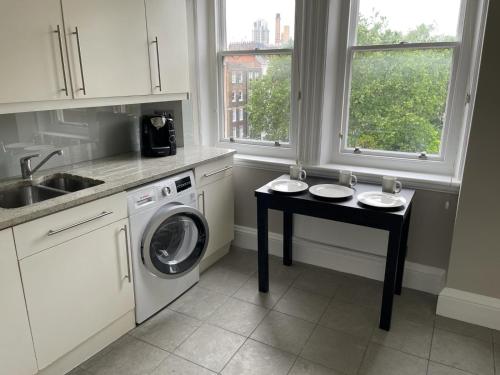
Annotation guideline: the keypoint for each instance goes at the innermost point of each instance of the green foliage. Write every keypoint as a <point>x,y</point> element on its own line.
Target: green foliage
<point>397,98</point>
<point>268,105</point>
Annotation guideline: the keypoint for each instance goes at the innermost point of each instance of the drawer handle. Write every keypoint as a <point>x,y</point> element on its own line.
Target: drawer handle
<point>128,276</point>
<point>55,231</point>
<point>218,171</point>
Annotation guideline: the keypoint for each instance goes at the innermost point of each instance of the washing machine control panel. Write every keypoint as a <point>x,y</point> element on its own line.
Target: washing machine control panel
<point>144,197</point>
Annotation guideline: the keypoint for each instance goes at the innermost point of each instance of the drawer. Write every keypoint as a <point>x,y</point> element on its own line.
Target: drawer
<point>51,230</point>
<point>213,171</point>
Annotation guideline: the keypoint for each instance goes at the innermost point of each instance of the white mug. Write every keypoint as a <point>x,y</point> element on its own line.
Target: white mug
<point>346,178</point>
<point>297,173</point>
<point>391,185</point>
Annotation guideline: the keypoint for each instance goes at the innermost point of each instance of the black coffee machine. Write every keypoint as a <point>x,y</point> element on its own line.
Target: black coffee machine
<point>158,135</point>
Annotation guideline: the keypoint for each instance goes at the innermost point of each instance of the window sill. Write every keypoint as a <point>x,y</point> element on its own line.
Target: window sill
<point>422,181</point>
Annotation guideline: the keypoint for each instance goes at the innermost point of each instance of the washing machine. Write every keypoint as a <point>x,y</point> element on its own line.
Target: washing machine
<point>169,236</point>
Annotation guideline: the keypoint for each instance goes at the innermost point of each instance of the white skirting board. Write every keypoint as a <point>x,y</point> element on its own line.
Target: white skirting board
<point>469,307</point>
<point>416,276</point>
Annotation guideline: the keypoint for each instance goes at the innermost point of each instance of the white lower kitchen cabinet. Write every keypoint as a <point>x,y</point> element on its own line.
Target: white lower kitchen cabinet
<point>16,346</point>
<point>216,201</point>
<point>77,288</point>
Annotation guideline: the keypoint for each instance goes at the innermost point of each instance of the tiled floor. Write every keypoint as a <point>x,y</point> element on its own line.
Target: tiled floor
<point>313,321</point>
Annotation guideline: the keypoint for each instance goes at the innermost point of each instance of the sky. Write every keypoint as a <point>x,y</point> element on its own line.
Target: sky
<point>402,15</point>
<point>240,16</point>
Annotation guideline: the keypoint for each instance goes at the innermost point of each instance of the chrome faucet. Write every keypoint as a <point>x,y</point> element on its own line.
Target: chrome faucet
<point>25,161</point>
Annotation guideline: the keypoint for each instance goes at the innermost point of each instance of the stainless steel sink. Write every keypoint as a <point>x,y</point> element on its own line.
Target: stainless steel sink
<point>69,182</point>
<point>20,196</point>
<point>29,192</point>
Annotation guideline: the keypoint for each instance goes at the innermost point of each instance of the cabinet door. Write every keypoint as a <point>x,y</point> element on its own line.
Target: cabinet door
<point>107,47</point>
<point>217,203</point>
<point>75,289</point>
<point>16,347</point>
<point>168,45</point>
<point>31,66</point>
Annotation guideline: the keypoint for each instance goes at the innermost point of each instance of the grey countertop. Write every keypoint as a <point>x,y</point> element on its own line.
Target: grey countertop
<point>119,173</point>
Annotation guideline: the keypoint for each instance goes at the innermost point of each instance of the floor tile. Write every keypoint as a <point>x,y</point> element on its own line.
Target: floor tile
<point>249,292</point>
<point>78,371</point>
<point>222,280</point>
<point>167,330</point>
<point>302,304</point>
<point>360,291</point>
<point>240,260</point>
<point>280,271</point>
<point>353,319</point>
<point>259,359</point>
<point>496,346</point>
<point>85,365</point>
<point>334,349</point>
<point>381,360</point>
<point>130,356</point>
<point>211,347</point>
<point>319,281</point>
<point>465,329</point>
<point>198,303</point>
<point>304,367</point>
<point>465,353</point>
<point>284,332</point>
<point>409,337</point>
<point>238,316</point>
<point>439,369</point>
<point>174,365</point>
<point>415,306</point>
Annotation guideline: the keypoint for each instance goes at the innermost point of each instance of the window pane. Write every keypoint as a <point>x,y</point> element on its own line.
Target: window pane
<point>265,88</point>
<point>259,24</point>
<point>398,99</point>
<point>412,21</point>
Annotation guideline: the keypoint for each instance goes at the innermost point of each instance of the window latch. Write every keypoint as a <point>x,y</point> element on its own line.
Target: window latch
<point>277,143</point>
<point>423,155</point>
<point>231,139</point>
<point>467,98</point>
<point>357,150</point>
<point>341,135</point>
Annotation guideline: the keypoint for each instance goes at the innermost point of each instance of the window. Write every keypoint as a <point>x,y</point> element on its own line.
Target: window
<point>234,115</point>
<point>401,73</point>
<point>233,96</point>
<point>255,58</point>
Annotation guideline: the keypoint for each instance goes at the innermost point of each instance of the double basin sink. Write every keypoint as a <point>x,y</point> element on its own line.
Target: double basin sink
<point>26,193</point>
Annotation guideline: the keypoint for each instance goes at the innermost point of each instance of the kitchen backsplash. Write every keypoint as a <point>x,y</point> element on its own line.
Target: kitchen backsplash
<point>83,133</point>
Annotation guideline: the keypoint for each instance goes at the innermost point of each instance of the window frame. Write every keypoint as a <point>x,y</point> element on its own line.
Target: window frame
<point>250,146</point>
<point>456,106</point>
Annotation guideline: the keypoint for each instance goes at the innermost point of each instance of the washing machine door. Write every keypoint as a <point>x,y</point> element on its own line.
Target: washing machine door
<point>174,240</point>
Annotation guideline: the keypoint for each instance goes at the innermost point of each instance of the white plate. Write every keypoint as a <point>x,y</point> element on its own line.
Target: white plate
<point>381,200</point>
<point>331,191</point>
<point>288,186</point>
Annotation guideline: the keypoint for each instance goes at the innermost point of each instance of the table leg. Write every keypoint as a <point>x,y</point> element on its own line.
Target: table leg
<point>402,252</point>
<point>262,245</point>
<point>391,266</point>
<point>287,238</point>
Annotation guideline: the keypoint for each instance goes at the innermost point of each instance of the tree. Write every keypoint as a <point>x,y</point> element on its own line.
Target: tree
<point>268,105</point>
<point>397,98</point>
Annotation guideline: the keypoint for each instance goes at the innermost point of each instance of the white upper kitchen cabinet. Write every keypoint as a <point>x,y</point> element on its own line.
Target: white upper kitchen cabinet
<point>168,46</point>
<point>107,47</point>
<point>16,346</point>
<point>33,64</point>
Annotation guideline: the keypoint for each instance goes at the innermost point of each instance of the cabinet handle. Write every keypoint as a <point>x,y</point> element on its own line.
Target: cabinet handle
<point>58,32</point>
<point>128,276</point>
<point>158,62</point>
<point>84,221</point>
<point>218,171</point>
<point>202,195</point>
<point>80,59</point>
